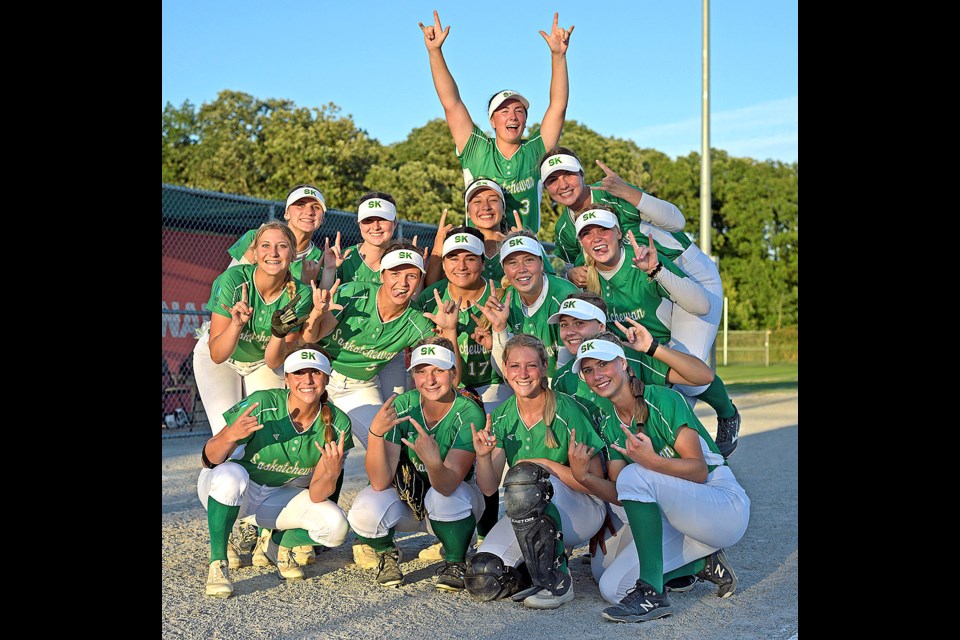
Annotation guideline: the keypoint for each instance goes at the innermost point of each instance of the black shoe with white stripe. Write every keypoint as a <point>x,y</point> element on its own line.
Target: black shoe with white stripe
<point>640,604</point>
<point>728,433</point>
<point>719,572</point>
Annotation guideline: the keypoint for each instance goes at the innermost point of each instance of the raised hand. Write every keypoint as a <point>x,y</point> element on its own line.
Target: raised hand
<point>498,313</point>
<point>485,440</point>
<point>434,36</point>
<point>637,335</point>
<point>639,448</point>
<point>481,334</point>
<point>240,312</point>
<point>611,182</point>
<point>578,276</point>
<point>645,258</point>
<point>386,418</point>
<point>447,315</point>
<point>285,319</point>
<point>442,230</point>
<point>559,38</point>
<point>333,256</point>
<point>310,269</point>
<point>425,445</point>
<point>331,458</point>
<point>578,457</point>
<point>244,425</point>
<point>323,298</point>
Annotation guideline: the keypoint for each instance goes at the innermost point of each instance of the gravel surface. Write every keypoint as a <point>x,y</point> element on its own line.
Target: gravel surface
<point>339,600</point>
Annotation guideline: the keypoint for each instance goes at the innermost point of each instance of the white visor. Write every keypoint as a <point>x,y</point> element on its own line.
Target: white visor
<point>560,162</point>
<point>306,192</point>
<point>433,354</point>
<point>502,97</point>
<point>598,217</point>
<point>376,208</point>
<point>520,243</point>
<point>401,257</point>
<point>578,309</point>
<point>466,241</point>
<point>479,185</point>
<point>599,349</point>
<point>306,359</point>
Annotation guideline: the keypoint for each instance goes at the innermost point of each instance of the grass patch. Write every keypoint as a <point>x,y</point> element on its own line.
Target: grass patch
<point>753,378</point>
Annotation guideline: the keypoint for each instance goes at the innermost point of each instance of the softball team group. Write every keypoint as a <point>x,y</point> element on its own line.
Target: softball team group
<point>476,372</point>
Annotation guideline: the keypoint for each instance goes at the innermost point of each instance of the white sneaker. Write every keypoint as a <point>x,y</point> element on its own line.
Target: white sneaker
<point>543,599</point>
<point>233,555</point>
<point>305,554</point>
<point>218,580</point>
<point>432,553</point>
<point>286,563</point>
<point>260,550</point>
<point>364,556</point>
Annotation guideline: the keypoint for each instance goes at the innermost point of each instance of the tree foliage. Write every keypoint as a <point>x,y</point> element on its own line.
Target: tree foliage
<point>244,145</point>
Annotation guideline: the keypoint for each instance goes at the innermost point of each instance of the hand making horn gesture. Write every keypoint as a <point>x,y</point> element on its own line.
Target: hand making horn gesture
<point>333,255</point>
<point>434,36</point>
<point>425,445</point>
<point>240,312</point>
<point>323,298</point>
<point>637,336</point>
<point>559,38</point>
<point>447,315</point>
<point>485,440</point>
<point>646,258</point>
<point>331,460</point>
<point>497,312</point>
<point>611,182</point>
<point>386,419</point>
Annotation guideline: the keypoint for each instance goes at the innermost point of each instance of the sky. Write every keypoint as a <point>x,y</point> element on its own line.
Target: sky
<point>634,66</point>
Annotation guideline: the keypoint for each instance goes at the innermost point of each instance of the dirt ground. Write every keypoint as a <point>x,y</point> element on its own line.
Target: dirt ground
<point>337,600</point>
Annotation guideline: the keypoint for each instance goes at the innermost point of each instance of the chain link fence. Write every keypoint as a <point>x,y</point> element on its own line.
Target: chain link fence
<point>758,347</point>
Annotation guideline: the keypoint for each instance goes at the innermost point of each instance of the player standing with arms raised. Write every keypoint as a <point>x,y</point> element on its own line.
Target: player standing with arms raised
<point>507,158</point>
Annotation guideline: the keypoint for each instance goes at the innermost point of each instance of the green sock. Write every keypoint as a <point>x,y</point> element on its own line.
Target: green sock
<point>292,538</point>
<point>554,515</point>
<point>717,397</point>
<point>455,537</point>
<point>689,569</point>
<point>379,544</point>
<point>647,528</point>
<point>220,519</point>
<point>491,511</point>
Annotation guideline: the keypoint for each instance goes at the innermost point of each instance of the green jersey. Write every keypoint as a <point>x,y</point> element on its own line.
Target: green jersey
<point>519,176</point>
<point>361,345</point>
<point>278,453</point>
<point>630,293</point>
<point>312,252</point>
<point>452,432</point>
<point>668,412</point>
<point>228,290</point>
<point>521,442</point>
<point>478,368</point>
<point>669,244</point>
<point>647,369</point>
<point>532,320</point>
<point>354,269</point>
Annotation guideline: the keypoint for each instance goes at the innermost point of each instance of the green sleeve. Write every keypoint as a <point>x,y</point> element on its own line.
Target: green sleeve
<point>582,417</point>
<point>238,248</point>
<point>565,382</point>
<point>466,155</point>
<point>231,414</point>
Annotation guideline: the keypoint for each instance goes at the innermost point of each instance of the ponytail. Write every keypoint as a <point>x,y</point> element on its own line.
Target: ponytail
<point>640,410</point>
<point>549,413</point>
<point>326,414</point>
<point>593,276</point>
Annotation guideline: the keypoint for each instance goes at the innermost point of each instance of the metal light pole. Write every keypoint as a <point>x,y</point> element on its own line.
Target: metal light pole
<point>705,199</point>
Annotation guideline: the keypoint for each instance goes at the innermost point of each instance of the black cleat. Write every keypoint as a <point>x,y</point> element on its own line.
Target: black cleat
<point>640,604</point>
<point>728,433</point>
<point>719,572</point>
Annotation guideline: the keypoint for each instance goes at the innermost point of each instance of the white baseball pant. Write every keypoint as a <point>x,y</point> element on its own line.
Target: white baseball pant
<point>374,513</point>
<point>223,385</point>
<point>698,519</point>
<point>359,399</point>
<point>285,507</point>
